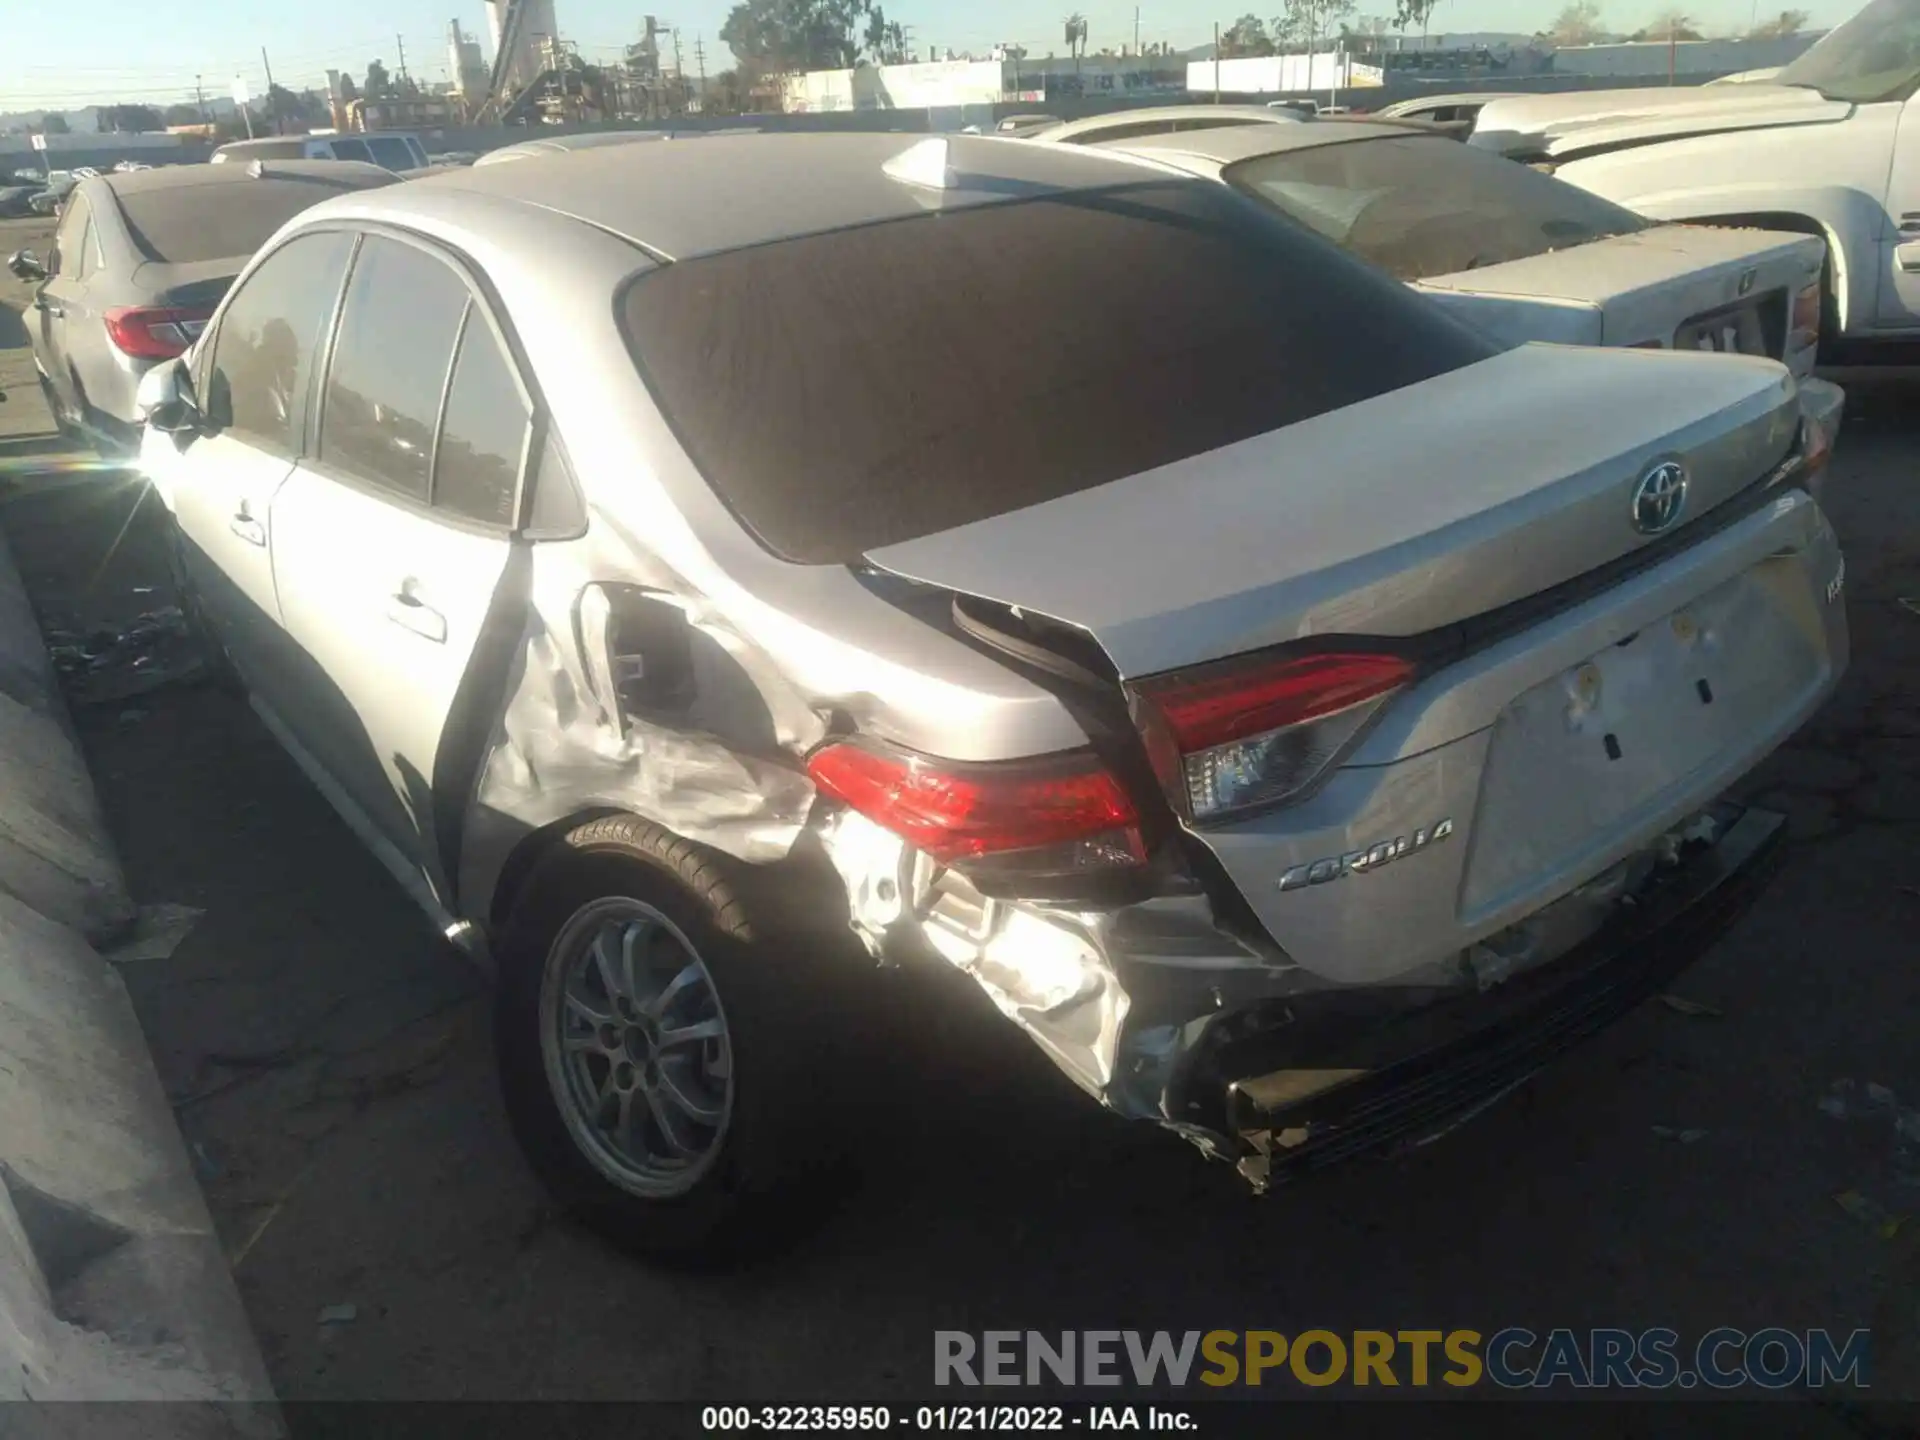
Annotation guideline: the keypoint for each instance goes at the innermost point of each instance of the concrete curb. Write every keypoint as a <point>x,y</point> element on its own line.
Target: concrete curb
<point>54,850</point>
<point>113,1283</point>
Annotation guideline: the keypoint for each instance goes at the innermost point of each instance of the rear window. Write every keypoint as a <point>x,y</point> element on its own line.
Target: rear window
<point>391,151</point>
<point>1425,205</point>
<point>188,223</point>
<point>847,391</point>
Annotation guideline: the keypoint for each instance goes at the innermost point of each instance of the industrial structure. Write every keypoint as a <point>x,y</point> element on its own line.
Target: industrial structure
<point>520,30</point>
<point>467,65</point>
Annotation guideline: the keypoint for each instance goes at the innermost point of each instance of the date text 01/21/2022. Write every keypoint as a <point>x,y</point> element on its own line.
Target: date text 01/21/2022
<point>810,1419</point>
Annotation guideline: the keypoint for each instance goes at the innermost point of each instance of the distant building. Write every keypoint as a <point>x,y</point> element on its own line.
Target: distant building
<point>1644,59</point>
<point>1282,74</point>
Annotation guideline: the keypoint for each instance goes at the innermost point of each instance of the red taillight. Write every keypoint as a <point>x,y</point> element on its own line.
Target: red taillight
<point>149,333</point>
<point>1067,811</point>
<point>1255,731</point>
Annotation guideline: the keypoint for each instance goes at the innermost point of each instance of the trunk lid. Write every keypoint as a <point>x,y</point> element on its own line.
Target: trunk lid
<point>1561,126</point>
<point>200,285</point>
<point>1411,511</point>
<point>1692,287</point>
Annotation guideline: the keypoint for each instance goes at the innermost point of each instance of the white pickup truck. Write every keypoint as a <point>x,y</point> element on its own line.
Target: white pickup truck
<point>1830,146</point>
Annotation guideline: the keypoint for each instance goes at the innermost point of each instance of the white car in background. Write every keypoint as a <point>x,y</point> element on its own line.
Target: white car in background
<point>1515,252</point>
<point>1829,146</point>
<point>1163,120</point>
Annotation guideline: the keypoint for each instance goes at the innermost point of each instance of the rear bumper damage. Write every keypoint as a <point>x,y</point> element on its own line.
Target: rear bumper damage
<point>1433,1069</point>
<point>1161,1012</point>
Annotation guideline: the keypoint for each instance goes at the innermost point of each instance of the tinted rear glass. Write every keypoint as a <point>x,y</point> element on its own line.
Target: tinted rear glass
<point>1424,205</point>
<point>852,390</point>
<point>392,152</point>
<point>190,223</point>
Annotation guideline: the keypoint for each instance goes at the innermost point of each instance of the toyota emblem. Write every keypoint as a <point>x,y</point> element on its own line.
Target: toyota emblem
<point>1660,497</point>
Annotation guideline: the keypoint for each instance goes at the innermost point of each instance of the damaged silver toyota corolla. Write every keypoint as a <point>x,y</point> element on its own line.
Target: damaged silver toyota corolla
<point>1300,715</point>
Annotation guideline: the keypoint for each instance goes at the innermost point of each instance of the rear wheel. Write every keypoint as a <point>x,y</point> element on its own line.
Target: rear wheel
<point>659,1049</point>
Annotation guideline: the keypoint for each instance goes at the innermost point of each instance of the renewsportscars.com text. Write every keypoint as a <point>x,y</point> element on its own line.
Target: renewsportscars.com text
<point>1513,1357</point>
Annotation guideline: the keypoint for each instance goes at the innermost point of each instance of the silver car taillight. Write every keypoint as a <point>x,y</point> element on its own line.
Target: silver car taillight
<point>1256,731</point>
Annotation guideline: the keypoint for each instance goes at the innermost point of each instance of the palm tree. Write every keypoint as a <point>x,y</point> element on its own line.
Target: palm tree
<point>1076,38</point>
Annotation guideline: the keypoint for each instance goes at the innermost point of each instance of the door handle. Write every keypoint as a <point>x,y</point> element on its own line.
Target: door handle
<point>248,529</point>
<point>410,612</point>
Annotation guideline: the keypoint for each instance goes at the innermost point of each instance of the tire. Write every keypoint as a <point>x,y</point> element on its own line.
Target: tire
<point>768,1168</point>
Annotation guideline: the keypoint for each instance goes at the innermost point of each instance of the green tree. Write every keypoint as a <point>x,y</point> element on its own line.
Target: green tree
<point>55,125</point>
<point>1577,24</point>
<point>1309,24</point>
<point>129,119</point>
<point>1787,22</point>
<point>783,35</point>
<point>1414,12</point>
<point>1669,25</point>
<point>1246,36</point>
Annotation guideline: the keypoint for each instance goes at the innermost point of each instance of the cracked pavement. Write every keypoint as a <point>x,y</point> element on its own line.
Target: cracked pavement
<point>329,1060</point>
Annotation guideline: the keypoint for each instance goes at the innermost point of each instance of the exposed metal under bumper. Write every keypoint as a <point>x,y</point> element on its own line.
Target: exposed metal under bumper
<point>1440,1084</point>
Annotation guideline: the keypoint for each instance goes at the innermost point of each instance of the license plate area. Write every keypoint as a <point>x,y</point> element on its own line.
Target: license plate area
<point>1736,330</point>
<point>1585,755</point>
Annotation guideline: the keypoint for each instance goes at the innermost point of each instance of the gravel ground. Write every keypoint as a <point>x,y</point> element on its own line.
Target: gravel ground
<point>329,1060</point>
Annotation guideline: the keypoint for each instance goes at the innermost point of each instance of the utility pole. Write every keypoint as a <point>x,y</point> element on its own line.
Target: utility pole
<point>402,46</point>
<point>700,59</point>
<point>200,99</point>
<point>1136,27</point>
<point>679,73</point>
<point>273,109</point>
<point>1216,62</point>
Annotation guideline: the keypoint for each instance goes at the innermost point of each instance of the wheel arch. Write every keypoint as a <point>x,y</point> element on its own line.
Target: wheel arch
<point>1801,223</point>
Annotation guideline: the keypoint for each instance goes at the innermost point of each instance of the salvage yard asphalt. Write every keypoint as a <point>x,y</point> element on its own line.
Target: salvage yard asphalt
<point>329,1063</point>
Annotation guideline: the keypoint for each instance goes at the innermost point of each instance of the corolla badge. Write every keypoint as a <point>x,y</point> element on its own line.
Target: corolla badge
<point>1359,862</point>
<point>1660,497</point>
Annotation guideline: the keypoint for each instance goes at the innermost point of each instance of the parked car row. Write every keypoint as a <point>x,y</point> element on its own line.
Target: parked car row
<point>1168,580</point>
<point>137,265</point>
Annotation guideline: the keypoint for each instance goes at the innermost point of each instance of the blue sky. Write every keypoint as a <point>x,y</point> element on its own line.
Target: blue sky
<point>136,50</point>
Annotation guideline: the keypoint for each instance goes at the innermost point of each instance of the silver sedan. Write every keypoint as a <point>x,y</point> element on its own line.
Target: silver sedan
<point>700,572</point>
<point>138,263</point>
<point>1514,251</point>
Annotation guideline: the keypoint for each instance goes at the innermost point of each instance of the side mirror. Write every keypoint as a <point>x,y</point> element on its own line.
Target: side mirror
<point>26,266</point>
<point>165,399</point>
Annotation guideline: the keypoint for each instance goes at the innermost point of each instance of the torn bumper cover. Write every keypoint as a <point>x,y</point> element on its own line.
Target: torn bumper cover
<point>1160,1013</point>
<point>1441,1066</point>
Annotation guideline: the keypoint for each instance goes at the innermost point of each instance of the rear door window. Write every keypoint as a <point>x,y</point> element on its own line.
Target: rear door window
<point>401,317</point>
<point>848,391</point>
<point>351,150</point>
<point>260,374</point>
<point>483,439</point>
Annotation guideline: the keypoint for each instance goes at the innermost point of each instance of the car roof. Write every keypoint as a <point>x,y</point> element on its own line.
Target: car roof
<point>177,177</point>
<point>1228,145</point>
<point>729,192</point>
<point>568,143</point>
<point>1427,102</point>
<point>1233,115</point>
